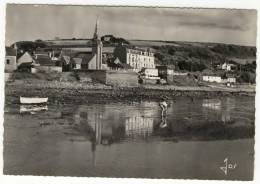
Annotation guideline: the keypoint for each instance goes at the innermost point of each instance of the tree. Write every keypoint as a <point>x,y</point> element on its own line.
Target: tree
<point>171,51</point>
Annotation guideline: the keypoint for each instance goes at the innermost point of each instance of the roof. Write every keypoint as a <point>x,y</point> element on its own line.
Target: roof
<point>66,59</point>
<point>77,60</point>
<point>40,52</point>
<point>117,63</point>
<point>19,55</point>
<point>82,54</point>
<point>85,57</point>
<point>211,75</point>
<point>44,61</point>
<point>81,49</point>
<point>230,64</point>
<point>88,58</point>
<point>9,51</point>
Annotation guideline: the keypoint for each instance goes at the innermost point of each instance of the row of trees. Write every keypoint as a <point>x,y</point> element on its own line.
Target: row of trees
<point>234,50</point>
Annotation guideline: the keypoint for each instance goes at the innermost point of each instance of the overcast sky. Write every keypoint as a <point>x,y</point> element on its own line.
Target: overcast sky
<point>30,22</point>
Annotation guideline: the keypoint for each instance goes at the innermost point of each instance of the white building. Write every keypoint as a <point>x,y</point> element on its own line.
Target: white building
<point>150,73</point>
<point>10,59</point>
<point>136,58</point>
<point>229,80</point>
<point>227,66</point>
<point>218,79</point>
<point>209,78</point>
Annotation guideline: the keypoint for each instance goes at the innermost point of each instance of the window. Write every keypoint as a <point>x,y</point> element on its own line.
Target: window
<point>8,61</point>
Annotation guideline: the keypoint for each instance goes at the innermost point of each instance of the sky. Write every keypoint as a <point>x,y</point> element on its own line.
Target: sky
<point>31,22</point>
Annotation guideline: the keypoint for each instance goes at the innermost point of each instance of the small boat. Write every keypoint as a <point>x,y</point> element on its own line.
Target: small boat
<point>33,100</point>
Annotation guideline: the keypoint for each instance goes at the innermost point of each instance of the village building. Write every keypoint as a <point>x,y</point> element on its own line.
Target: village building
<point>150,73</point>
<point>219,79</point>
<point>25,62</point>
<point>44,63</point>
<point>65,62</point>
<point>136,58</point>
<point>10,59</point>
<point>165,70</point>
<point>212,78</point>
<point>25,58</point>
<point>228,66</point>
<point>229,78</point>
<point>77,63</point>
<point>116,64</point>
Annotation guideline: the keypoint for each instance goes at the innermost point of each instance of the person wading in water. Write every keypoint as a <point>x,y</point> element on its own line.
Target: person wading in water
<point>163,105</point>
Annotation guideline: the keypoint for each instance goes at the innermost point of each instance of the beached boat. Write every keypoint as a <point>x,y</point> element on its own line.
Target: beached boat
<point>33,100</point>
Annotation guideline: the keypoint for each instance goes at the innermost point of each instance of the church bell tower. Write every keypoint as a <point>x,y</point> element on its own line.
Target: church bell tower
<point>97,48</point>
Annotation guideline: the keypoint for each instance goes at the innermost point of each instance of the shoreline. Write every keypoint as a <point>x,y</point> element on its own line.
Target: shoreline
<point>75,92</point>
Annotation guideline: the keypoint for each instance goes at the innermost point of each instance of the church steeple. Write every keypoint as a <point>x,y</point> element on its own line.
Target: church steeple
<point>97,48</point>
<point>95,36</point>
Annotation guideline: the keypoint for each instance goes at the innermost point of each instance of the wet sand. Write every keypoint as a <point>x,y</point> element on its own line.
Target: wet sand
<point>68,92</point>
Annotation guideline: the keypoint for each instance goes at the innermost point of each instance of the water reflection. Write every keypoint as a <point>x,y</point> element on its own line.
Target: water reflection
<point>32,108</point>
<point>112,123</point>
<point>219,109</point>
<point>138,126</point>
<point>214,104</point>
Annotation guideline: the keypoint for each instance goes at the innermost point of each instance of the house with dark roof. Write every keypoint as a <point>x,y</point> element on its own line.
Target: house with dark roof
<point>10,59</point>
<point>65,62</point>
<point>25,62</point>
<point>44,60</point>
<point>118,65</point>
<point>45,64</point>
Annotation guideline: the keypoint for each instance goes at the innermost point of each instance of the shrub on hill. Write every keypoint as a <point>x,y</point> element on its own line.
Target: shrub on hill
<point>234,50</point>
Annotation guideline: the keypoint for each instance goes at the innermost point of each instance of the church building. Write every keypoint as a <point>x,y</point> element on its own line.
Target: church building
<point>95,62</point>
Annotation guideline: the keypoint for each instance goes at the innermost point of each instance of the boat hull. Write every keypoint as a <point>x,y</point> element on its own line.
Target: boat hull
<point>35,100</point>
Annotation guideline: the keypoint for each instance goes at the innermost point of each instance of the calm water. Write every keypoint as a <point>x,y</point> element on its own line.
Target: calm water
<point>132,139</point>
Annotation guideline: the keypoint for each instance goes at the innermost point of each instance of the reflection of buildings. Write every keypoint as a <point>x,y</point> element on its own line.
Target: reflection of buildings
<point>213,104</point>
<point>217,109</point>
<point>230,104</point>
<point>33,108</point>
<point>105,124</point>
<point>100,132</point>
<point>138,126</point>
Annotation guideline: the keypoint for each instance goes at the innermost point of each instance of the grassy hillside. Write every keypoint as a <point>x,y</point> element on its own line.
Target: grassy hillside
<point>194,57</point>
<point>169,52</point>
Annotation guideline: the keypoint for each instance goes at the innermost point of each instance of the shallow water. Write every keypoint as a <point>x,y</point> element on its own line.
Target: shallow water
<point>132,139</point>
